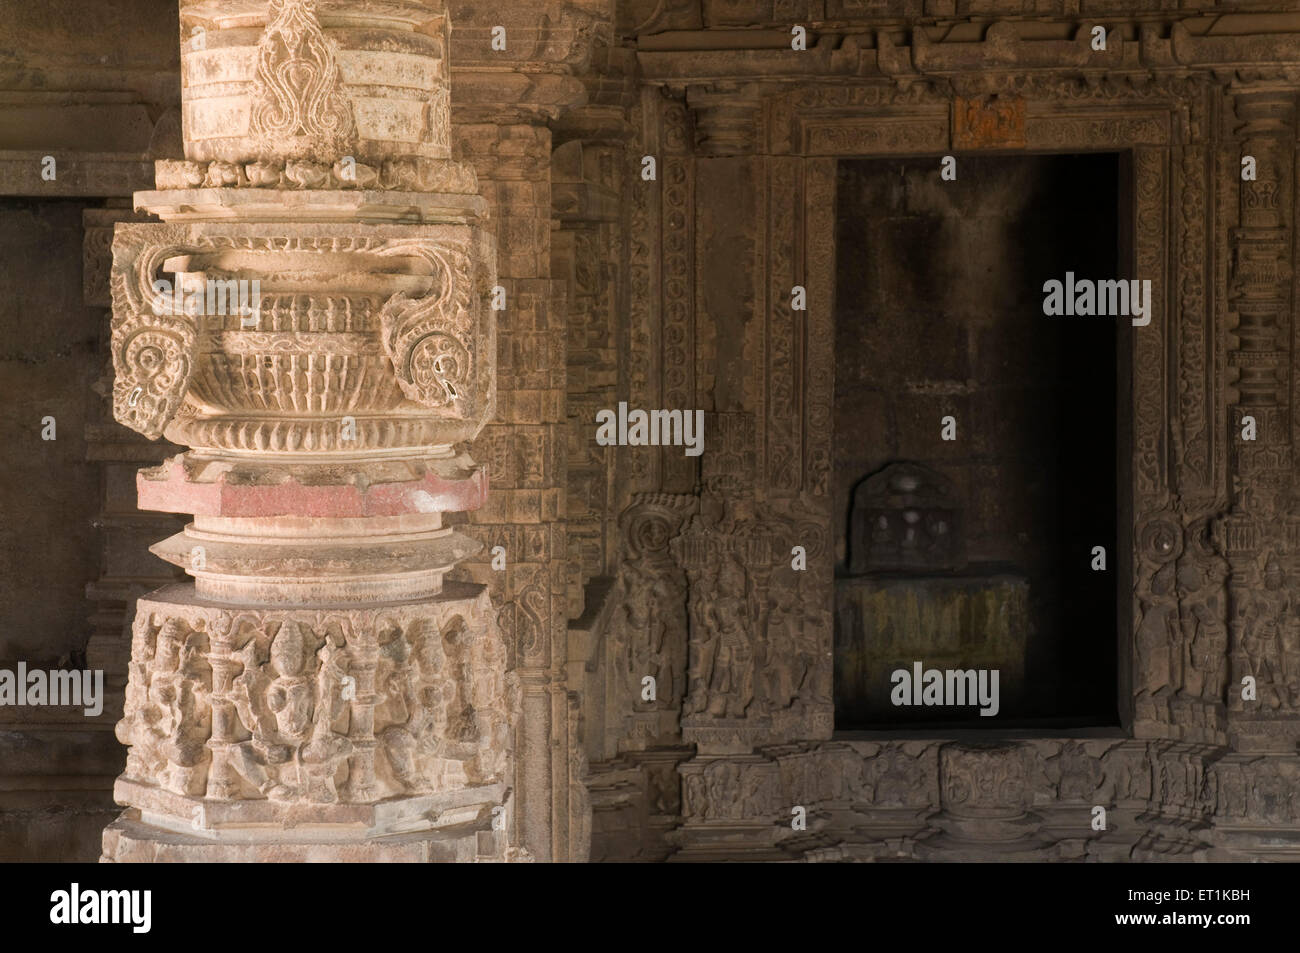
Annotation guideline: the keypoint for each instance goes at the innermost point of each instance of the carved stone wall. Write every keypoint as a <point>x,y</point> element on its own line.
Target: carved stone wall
<point>710,574</point>
<point>1211,515</point>
<point>502,125</point>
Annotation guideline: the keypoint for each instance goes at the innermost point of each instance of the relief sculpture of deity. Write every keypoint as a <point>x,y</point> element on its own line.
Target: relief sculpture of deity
<point>1202,598</point>
<point>1270,625</point>
<point>287,706</point>
<point>723,670</point>
<point>167,719</point>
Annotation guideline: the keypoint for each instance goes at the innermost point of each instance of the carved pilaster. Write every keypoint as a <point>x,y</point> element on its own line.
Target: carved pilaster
<point>645,305</point>
<point>501,127</point>
<point>677,215</point>
<point>1264,563</point>
<point>1261,281</point>
<point>589,180</point>
<point>727,119</point>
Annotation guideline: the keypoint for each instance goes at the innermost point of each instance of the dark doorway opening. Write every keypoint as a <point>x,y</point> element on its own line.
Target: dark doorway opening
<point>977,552</point>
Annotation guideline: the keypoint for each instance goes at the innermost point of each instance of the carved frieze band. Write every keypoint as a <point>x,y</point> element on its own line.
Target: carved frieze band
<point>783,430</point>
<point>1037,795</point>
<point>678,264</point>
<point>320,707</point>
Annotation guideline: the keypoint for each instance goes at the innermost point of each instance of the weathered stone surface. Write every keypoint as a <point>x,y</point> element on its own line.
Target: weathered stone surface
<point>270,80</point>
<point>317,689</point>
<point>238,489</point>
<point>886,624</point>
<point>712,575</point>
<point>1205,518</point>
<point>331,706</point>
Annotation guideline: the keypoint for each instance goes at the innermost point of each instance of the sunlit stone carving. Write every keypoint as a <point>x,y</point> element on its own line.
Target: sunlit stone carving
<point>312,319</point>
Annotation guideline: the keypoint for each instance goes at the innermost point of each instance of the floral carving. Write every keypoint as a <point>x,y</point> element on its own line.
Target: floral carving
<point>428,338</point>
<point>298,92</point>
<point>153,347</point>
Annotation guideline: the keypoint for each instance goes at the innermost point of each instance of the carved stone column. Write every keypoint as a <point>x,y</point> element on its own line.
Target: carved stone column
<point>504,103</point>
<point>985,794</point>
<point>525,449</point>
<point>313,320</point>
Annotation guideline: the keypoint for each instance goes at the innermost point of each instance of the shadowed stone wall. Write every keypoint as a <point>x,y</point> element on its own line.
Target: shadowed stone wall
<point>50,361</point>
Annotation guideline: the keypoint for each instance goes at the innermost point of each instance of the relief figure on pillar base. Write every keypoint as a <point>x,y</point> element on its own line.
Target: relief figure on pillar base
<point>419,689</point>
<point>899,779</point>
<point>327,748</point>
<point>1202,603</point>
<point>722,664</point>
<point>694,795</point>
<point>288,707</point>
<point>470,721</point>
<point>1159,637</point>
<point>1270,618</point>
<point>167,719</point>
<point>716,792</point>
<point>654,617</point>
<point>439,718</point>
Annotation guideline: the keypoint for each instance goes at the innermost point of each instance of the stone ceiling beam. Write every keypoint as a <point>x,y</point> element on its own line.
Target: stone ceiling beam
<point>898,51</point>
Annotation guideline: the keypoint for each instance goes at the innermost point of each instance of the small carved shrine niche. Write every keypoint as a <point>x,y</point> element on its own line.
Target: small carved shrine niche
<point>904,518</point>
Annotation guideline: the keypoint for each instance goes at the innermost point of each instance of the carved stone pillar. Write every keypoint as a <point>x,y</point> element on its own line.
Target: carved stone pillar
<point>504,103</point>
<point>525,449</point>
<point>313,320</point>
